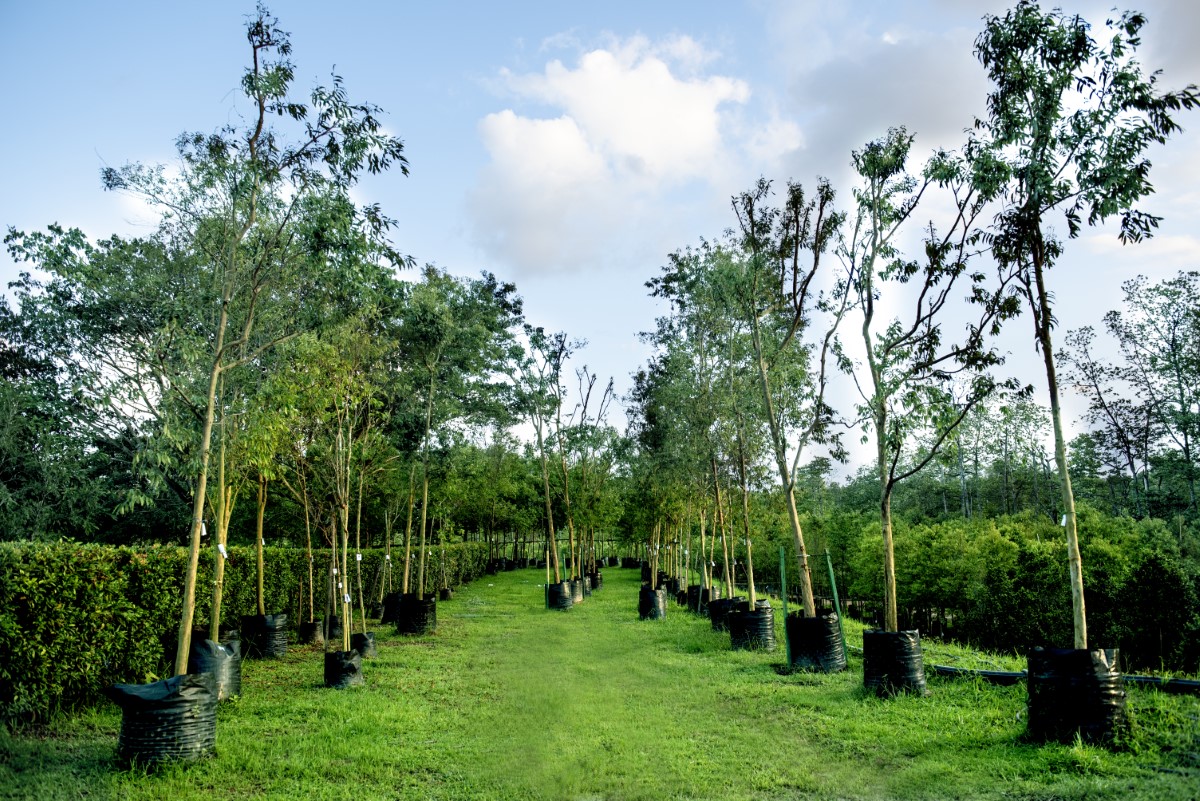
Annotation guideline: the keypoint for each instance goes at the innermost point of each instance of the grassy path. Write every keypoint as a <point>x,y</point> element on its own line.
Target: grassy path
<point>509,701</point>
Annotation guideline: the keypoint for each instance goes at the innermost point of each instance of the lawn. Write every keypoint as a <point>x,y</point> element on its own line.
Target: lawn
<point>510,701</point>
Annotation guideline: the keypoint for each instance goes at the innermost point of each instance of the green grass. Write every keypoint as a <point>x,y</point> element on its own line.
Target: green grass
<point>510,701</point>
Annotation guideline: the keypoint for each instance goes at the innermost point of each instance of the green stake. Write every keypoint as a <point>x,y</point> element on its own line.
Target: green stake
<point>836,603</point>
<point>783,585</point>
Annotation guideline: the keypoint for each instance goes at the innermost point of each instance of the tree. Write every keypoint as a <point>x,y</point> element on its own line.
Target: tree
<point>253,230</point>
<point>1069,121</point>
<point>910,363</point>
<point>777,297</point>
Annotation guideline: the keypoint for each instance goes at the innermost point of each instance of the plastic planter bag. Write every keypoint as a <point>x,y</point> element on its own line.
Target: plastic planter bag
<point>223,661</point>
<point>815,643</point>
<point>173,719</point>
<point>1073,691</point>
<point>892,662</point>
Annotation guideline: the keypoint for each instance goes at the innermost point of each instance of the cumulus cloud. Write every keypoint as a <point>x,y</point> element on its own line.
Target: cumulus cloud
<point>636,120</point>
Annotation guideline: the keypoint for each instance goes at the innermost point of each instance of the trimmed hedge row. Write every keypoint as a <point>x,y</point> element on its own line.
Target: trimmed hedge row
<point>75,618</point>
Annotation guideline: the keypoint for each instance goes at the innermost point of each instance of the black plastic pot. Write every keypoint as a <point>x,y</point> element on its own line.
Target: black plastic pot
<point>264,635</point>
<point>364,644</point>
<point>445,594</point>
<point>577,591</point>
<point>1074,691</point>
<point>343,669</point>
<point>173,719</point>
<point>892,662</point>
<point>719,609</point>
<point>652,604</point>
<point>333,628</point>
<point>375,611</point>
<point>753,629</point>
<point>693,597</point>
<point>597,580</point>
<point>391,607</point>
<point>815,643</point>
<point>646,571</point>
<point>310,632</point>
<point>223,661</point>
<point>558,596</point>
<point>417,615</point>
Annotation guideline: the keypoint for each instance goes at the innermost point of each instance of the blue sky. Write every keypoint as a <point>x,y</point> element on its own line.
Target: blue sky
<point>565,146</point>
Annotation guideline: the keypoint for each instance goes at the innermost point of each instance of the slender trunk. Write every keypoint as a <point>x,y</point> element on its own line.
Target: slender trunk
<point>779,446</point>
<point>221,536</point>
<point>312,614</point>
<point>746,521</point>
<point>183,643</point>
<point>721,525</point>
<point>362,606</point>
<point>258,529</point>
<point>425,486</point>
<point>412,478</point>
<point>890,615</point>
<point>551,544</point>
<point>1044,321</point>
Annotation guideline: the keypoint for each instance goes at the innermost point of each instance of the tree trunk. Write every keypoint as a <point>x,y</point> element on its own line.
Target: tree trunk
<point>1043,320</point>
<point>258,540</point>
<point>890,615</point>
<point>183,643</point>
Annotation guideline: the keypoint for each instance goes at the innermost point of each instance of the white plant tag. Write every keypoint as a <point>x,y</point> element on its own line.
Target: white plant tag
<point>335,571</point>
<point>203,529</point>
<point>1064,522</point>
<point>339,585</point>
<point>358,557</point>
<point>221,548</point>
<point>387,557</point>
<point>347,597</point>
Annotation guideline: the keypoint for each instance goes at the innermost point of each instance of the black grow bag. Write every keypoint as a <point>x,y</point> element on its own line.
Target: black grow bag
<point>223,661</point>
<point>815,643</point>
<point>364,644</point>
<point>445,594</point>
<point>173,719</point>
<point>1074,691</point>
<point>417,615</point>
<point>719,609</point>
<point>343,669</point>
<point>892,662</point>
<point>558,596</point>
<point>391,608</point>
<point>310,632</point>
<point>753,629</point>
<point>333,628</point>
<point>576,590</point>
<point>596,579</point>
<point>652,604</point>
<point>586,583</point>
<point>264,635</point>
<point>693,597</point>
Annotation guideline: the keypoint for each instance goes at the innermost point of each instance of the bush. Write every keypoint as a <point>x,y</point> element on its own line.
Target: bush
<point>75,618</point>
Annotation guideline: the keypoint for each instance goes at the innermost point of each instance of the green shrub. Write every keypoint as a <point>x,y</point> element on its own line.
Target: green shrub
<point>75,618</point>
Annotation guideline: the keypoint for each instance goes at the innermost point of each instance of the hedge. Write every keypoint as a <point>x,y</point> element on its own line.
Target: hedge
<point>75,618</point>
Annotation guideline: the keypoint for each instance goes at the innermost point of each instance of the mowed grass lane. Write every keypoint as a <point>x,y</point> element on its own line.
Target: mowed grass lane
<point>511,701</point>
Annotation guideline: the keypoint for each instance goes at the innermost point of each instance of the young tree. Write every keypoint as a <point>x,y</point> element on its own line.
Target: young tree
<point>252,227</point>
<point>1068,125</point>
<point>909,362</point>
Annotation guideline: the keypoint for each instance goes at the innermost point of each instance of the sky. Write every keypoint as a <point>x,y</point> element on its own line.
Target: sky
<point>567,147</point>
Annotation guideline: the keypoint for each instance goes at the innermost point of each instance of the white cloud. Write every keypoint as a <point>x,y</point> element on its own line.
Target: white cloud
<point>629,123</point>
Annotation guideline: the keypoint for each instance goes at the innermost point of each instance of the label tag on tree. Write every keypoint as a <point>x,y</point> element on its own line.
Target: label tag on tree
<point>358,557</point>
<point>221,548</point>
<point>1064,522</point>
<point>335,571</point>
<point>387,557</point>
<point>347,597</point>
<point>203,529</point>
<point>339,585</point>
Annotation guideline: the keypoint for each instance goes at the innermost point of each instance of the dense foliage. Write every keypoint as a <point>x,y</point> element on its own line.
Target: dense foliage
<point>76,618</point>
